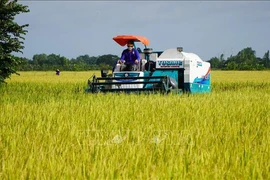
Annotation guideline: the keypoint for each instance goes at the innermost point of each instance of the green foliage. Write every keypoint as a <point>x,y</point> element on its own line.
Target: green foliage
<point>108,59</point>
<point>41,62</point>
<point>266,60</point>
<point>244,60</point>
<point>10,37</point>
<point>86,59</point>
<point>215,63</point>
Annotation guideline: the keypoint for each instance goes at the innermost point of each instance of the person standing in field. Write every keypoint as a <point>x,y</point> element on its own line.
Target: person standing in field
<point>57,72</point>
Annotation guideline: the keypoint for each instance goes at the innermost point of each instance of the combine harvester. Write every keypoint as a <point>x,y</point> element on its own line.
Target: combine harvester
<point>166,71</point>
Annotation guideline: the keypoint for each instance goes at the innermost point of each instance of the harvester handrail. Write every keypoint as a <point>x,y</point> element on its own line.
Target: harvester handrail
<point>132,90</point>
<point>117,78</point>
<point>127,82</point>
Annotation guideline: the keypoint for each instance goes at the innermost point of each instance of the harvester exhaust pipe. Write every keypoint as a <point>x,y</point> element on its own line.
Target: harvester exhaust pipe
<point>147,51</point>
<point>180,49</point>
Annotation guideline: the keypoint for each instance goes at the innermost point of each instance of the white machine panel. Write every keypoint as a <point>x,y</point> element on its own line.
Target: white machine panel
<point>126,74</point>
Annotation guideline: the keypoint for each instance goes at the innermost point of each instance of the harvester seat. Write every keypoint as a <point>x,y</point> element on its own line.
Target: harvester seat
<point>118,68</point>
<point>141,66</point>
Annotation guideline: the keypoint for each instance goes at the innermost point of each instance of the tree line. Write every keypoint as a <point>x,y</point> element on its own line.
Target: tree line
<point>244,60</point>
<point>44,62</point>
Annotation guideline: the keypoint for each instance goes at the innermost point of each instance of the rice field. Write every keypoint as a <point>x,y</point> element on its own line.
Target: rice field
<point>52,129</point>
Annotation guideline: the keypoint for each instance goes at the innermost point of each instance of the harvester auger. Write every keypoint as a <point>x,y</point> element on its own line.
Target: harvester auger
<point>166,71</point>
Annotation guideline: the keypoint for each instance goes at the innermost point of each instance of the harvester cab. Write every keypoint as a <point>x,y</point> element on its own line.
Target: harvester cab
<point>166,71</point>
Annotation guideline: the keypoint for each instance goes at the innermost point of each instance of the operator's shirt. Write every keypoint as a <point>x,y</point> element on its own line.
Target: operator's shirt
<point>130,56</point>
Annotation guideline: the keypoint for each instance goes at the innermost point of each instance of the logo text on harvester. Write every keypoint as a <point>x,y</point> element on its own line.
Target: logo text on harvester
<point>170,63</point>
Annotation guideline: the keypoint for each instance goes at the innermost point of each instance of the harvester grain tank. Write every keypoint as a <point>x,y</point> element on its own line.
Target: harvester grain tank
<point>171,70</point>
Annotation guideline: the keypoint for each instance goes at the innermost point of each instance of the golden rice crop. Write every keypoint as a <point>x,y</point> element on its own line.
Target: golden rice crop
<point>52,129</point>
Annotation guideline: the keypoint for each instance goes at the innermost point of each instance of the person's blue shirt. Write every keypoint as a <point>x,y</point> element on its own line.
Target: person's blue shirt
<point>130,56</point>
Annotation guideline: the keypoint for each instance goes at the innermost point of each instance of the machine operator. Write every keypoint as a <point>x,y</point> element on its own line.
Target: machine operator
<point>130,58</point>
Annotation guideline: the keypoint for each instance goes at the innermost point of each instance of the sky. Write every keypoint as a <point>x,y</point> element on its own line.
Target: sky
<point>206,28</point>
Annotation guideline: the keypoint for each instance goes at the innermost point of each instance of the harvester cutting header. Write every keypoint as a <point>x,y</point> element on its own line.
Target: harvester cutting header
<point>166,71</point>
